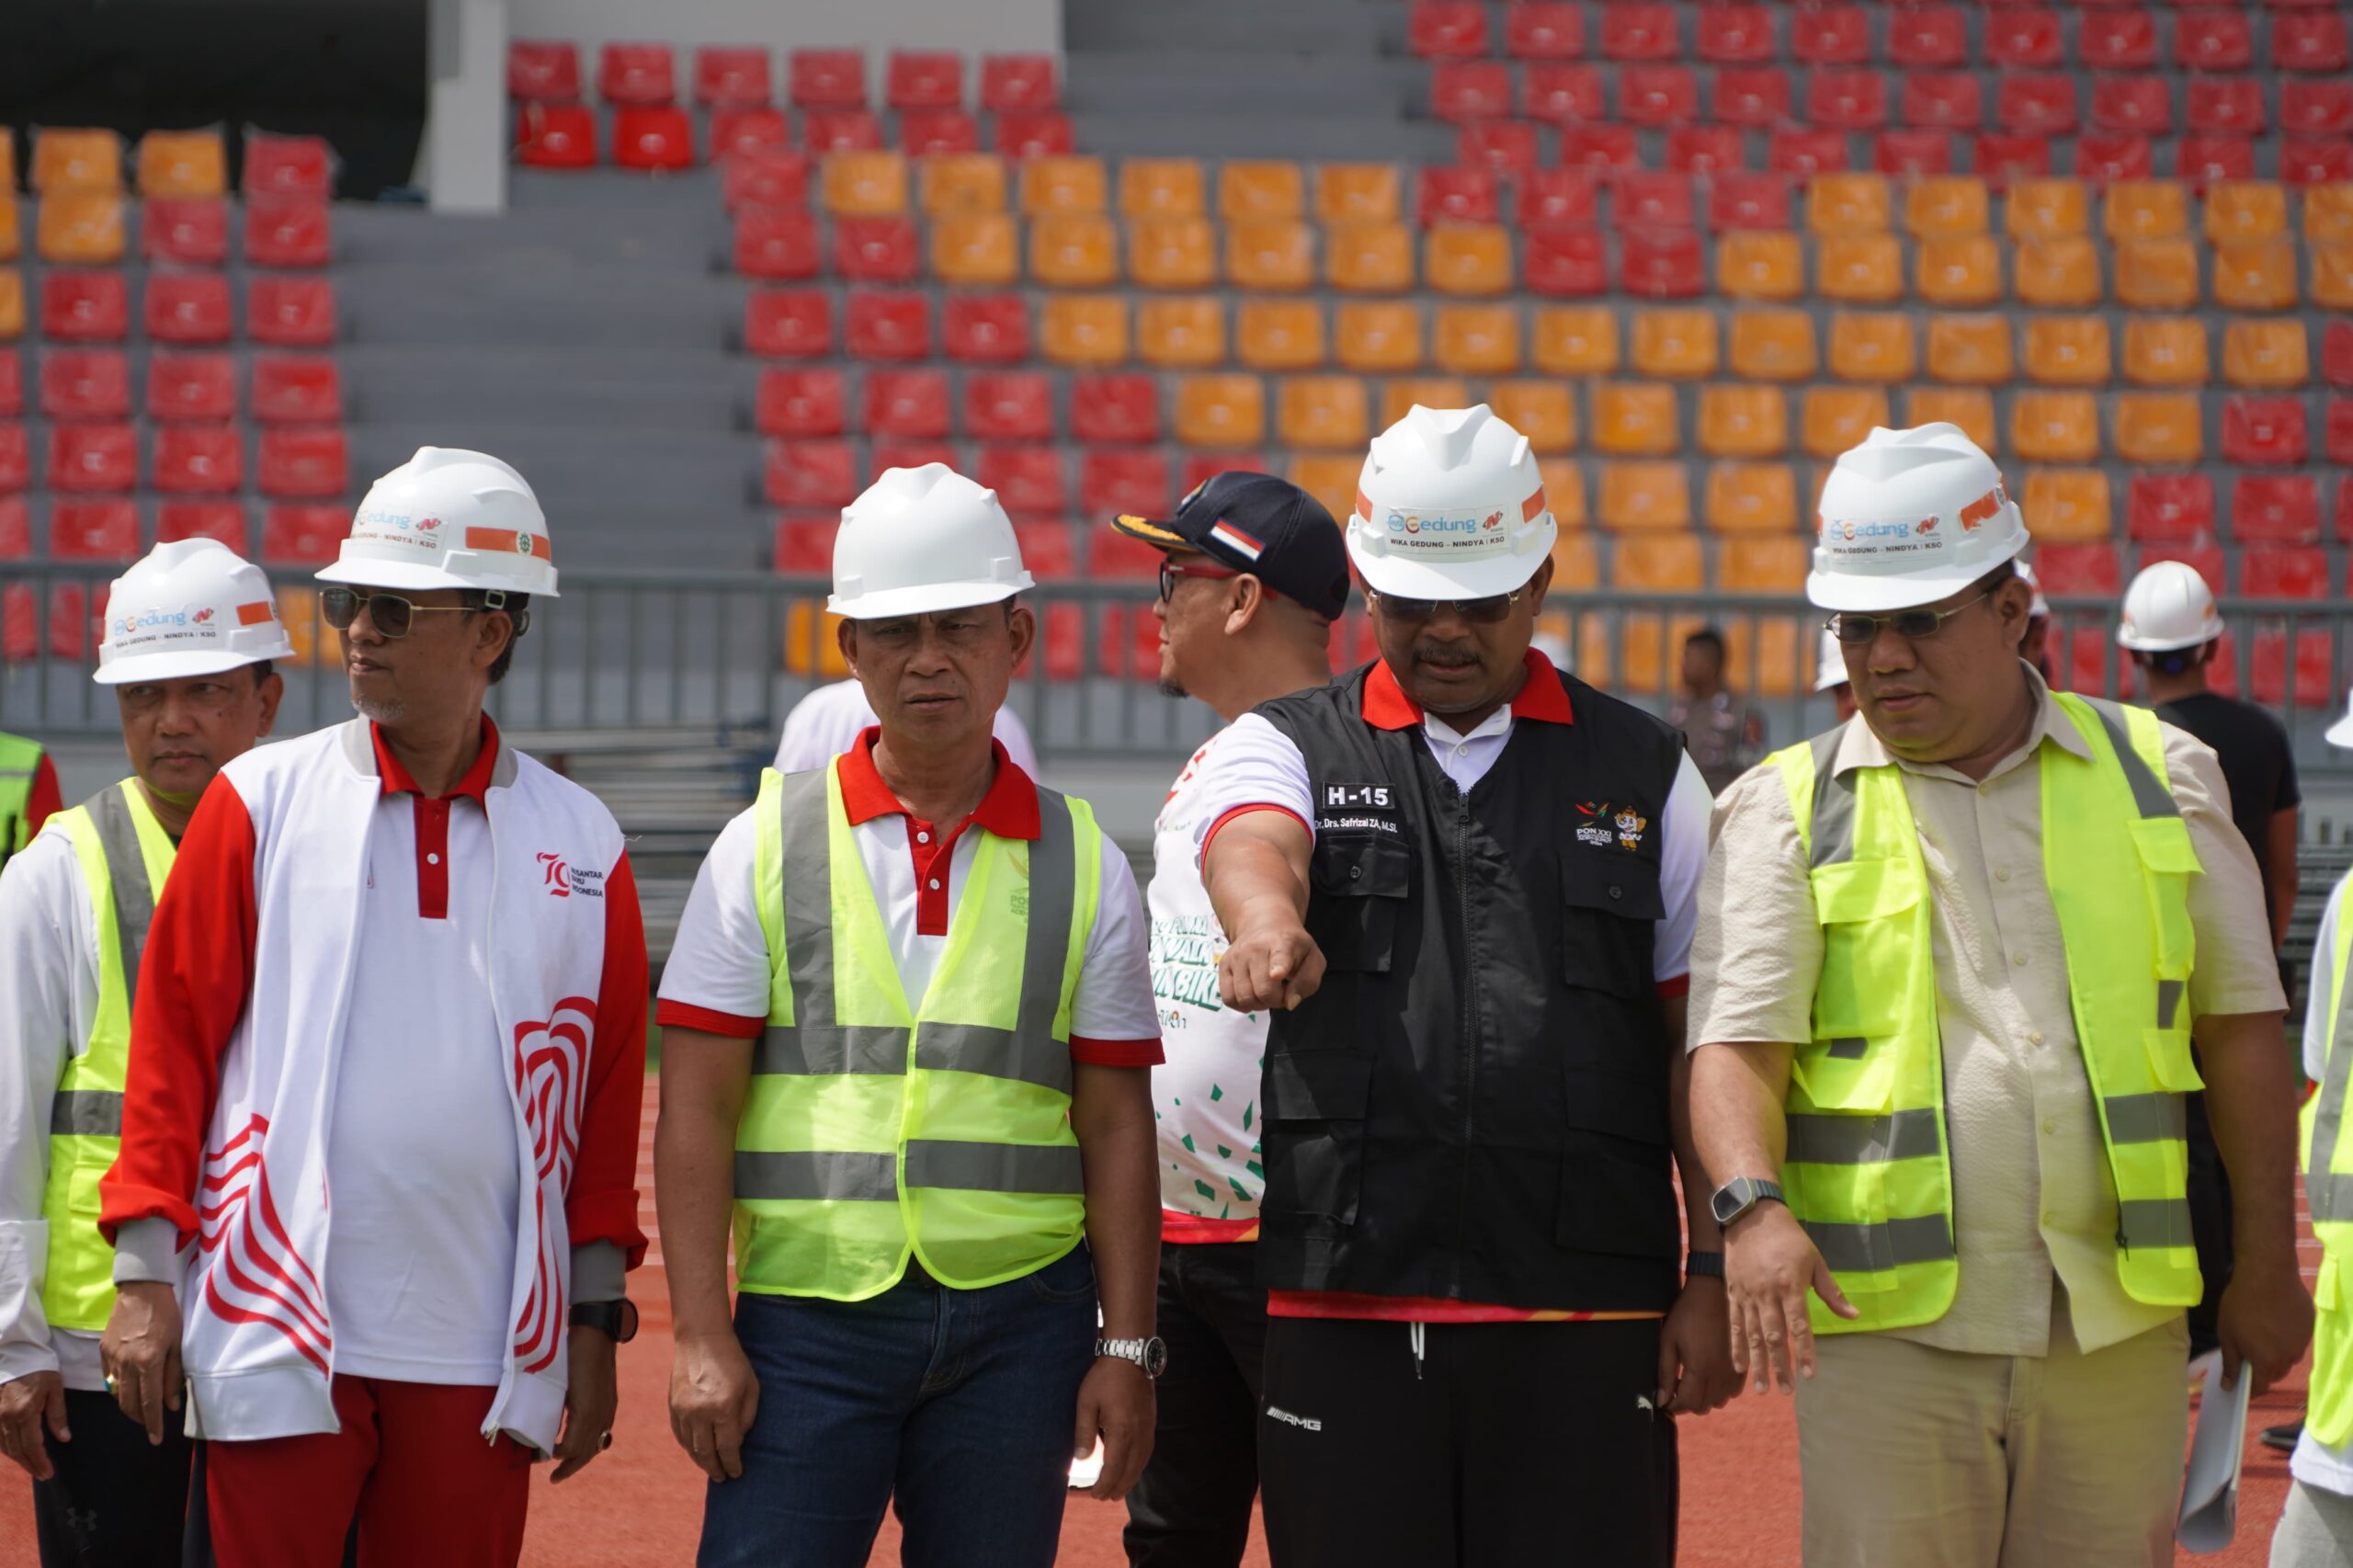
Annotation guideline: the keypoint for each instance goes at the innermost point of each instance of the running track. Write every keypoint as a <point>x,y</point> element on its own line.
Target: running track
<point>639,1506</point>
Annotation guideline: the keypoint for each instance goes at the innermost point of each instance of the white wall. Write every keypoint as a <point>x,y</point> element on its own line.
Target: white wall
<point>463,161</point>
<point>974,26</point>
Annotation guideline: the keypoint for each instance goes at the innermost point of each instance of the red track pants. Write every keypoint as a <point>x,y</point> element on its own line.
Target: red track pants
<point>410,1465</point>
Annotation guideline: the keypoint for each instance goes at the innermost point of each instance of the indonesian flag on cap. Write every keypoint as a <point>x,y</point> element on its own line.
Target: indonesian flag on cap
<point>1233,539</point>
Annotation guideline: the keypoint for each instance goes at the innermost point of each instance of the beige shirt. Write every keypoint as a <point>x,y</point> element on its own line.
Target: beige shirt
<point>2032,1193</point>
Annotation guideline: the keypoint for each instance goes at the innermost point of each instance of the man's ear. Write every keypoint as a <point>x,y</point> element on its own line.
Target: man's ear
<point>1247,602</point>
<point>844,639</point>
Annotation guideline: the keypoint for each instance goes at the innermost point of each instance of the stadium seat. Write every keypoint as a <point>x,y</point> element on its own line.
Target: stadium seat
<point>2003,158</point>
<point>1940,100</point>
<point>800,403</point>
<point>2264,354</point>
<point>1553,197</point>
<point>1861,268</point>
<point>2333,275</point>
<point>2145,209</point>
<point>1008,405</point>
<point>735,131</point>
<point>2116,41</point>
<point>1072,250</point>
<point>75,160</point>
<point>2136,106</point>
<point>1084,330</point>
<point>1574,340</point>
<point>1912,154</point>
<point>2066,503</point>
<point>1377,335</point>
<point>2178,506</point>
<point>1323,412</point>
<point>198,460</point>
<point>1162,188</point>
<point>1655,199</point>
<point>1758,265</point>
<point>1834,35</point>
<point>828,132</point>
<point>1358,193</point>
<point>907,406</point>
<point>1740,200</point>
<point>2337,438</point>
<point>815,474</point>
<point>2336,354</point>
<point>2036,103</point>
<point>1874,345</point>
<point>1674,344</point>
<point>1399,395</point>
<point>303,461</point>
<point>85,383</point>
<point>729,76</point>
<point>2266,431</point>
<point>191,386</point>
<point>1543,411</point>
<point>1961,270</point>
<point>94,307</point>
<point>1952,205</point>
<point>2317,109</point>
<point>1374,258</point>
<point>636,74</point>
<point>788,323</point>
<point>1279,335</point>
<point>2249,209</point>
<point>2046,208</point>
<point>2313,41</point>
<point>1972,349</point>
<point>16,459</point>
<point>2022,36</point>
<point>1467,92</point>
<point>2212,41</point>
<point>94,530</point>
<point>1029,133</point>
<point>777,243</point>
<point>12,383</point>
<point>2204,159</point>
<point>2256,275</point>
<point>937,132</point>
<point>1564,493</point>
<point>1751,497</point>
<point>1331,478</point>
<point>2055,426</point>
<point>2157,275</point>
<point>1832,419</point>
<point>2066,350</point>
<point>805,543</point>
<point>1264,189</point>
<point>1772,345</point>
<point>1753,96</point>
<point>1011,83</point>
<point>1172,253</point>
<point>1971,408</point>
<point>1543,30</point>
<point>772,177</point>
<point>1656,97</point>
<point>2284,572</point>
<point>186,231</point>
<point>2275,509</point>
<point>1713,150</point>
<point>887,325</point>
<point>1740,421</point>
<point>1605,150</point>
<point>1635,418</point>
<point>1065,184</point>
<point>1447,29</point>
<point>826,78</point>
<point>542,70</point>
<point>2058,273</point>
<point>1187,333</point>
<point>1115,410</point>
<point>222,520</point>
<point>288,165</point>
<point>2079,568</point>
<point>299,535</point>
<point>1638,30</point>
<point>2316,160</point>
<point>924,79</point>
<point>286,312</point>
<point>864,184</point>
<point>1456,196</point>
<point>1476,340</point>
<point>1029,481</point>
<point>93,457</point>
<point>1112,481</point>
<point>2223,106</point>
<point>1751,565</point>
<point>653,136</point>
<point>1659,264</point>
<point>1846,100</point>
<point>1505,147</point>
<point>1735,35</point>
<point>877,250</point>
<point>1271,253</point>
<point>287,231</point>
<point>182,163</point>
<point>1651,498</point>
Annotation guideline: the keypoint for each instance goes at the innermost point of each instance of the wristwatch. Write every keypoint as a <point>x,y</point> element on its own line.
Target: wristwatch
<point>1151,1355</point>
<point>616,1319</point>
<point>1741,1194</point>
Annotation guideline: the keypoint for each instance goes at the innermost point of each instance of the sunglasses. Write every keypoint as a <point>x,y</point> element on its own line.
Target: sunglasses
<point>392,615</point>
<point>1170,572</point>
<point>1478,612</point>
<point>1912,625</point>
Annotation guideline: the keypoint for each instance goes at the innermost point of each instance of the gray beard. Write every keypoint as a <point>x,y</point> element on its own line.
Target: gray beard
<point>381,712</point>
<point>1174,688</point>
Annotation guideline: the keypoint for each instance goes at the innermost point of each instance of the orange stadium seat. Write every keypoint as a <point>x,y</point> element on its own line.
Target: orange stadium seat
<point>1946,205</point>
<point>1971,349</point>
<point>1185,332</point>
<point>1848,204</point>
<point>1971,408</point>
<point>191,386</point>
<point>1543,411</point>
<point>75,160</point>
<point>1635,418</point>
<point>1863,269</point>
<point>2067,350</point>
<point>2058,272</point>
<point>2157,275</point>
<point>1773,345</point>
<point>1162,188</point>
<point>2047,209</point>
<point>2166,351</point>
<point>1872,346</point>
<point>1257,188</point>
<point>11,231</point>
<point>2328,213</point>
<point>1836,418</point>
<point>1279,335</point>
<point>2266,354</point>
<point>1074,250</point>
<point>1752,498</point>
<point>80,227</point>
<point>1476,340</point>
<point>1759,265</point>
<point>1322,412</point>
<point>1675,344</point>
<point>1226,410</point>
<point>981,249</point>
<point>1650,497</point>
<point>864,184</point>
<point>1467,258</point>
<point>1369,258</point>
<point>2256,275</point>
<point>1067,183</point>
<point>2146,210</point>
<point>1574,340</point>
<point>1358,193</point>
<point>182,163</point>
<point>1961,270</point>
<point>2159,428</point>
<point>1330,479</point>
<point>2246,209</point>
<point>1743,421</point>
<point>960,182</point>
<point>1271,253</point>
<point>2333,275</point>
<point>85,383</point>
<point>1172,253</point>
<point>1084,329</point>
<point>2067,504</point>
<point>1564,493</point>
<point>2055,426</point>
<point>1378,335</point>
<point>1399,395</point>
<point>1775,564</point>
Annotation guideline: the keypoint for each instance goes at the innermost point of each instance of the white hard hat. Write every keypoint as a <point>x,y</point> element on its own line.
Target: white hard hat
<point>449,519</point>
<point>1450,505</point>
<point>2341,732</point>
<point>1908,517</point>
<point>921,540</point>
<point>2168,608</point>
<point>190,608</point>
<point>1830,665</point>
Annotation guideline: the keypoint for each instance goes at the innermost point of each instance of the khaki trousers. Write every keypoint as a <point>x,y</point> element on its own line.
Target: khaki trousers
<point>1934,1459</point>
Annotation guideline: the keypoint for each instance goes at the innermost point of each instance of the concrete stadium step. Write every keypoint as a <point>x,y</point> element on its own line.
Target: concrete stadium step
<point>1238,26</point>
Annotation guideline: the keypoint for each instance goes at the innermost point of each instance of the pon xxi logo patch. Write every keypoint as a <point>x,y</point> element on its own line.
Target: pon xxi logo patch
<point>1609,828</point>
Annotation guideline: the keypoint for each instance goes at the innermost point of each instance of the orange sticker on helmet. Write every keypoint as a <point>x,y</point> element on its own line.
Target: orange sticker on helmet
<point>511,541</point>
<point>256,614</point>
<point>1977,511</point>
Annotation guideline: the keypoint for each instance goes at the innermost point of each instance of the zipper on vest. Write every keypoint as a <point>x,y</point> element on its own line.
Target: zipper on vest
<point>1469,1047</point>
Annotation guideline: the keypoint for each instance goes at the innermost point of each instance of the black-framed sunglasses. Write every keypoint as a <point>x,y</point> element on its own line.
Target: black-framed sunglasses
<point>1479,612</point>
<point>392,615</point>
<point>1912,625</point>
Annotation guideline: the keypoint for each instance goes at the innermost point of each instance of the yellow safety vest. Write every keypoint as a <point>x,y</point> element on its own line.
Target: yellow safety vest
<point>125,855</point>
<point>1868,1171</point>
<point>20,762</point>
<point>2328,1188</point>
<point>874,1131</point>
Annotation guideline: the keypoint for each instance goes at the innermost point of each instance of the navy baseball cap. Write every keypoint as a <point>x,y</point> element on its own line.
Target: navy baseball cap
<point>1267,527</point>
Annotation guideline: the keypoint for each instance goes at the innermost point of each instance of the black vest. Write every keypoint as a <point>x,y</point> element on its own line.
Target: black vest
<point>1474,1104</point>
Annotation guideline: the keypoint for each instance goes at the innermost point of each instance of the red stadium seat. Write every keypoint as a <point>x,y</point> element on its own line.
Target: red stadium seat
<point>1508,146</point>
<point>1635,30</point>
<point>905,404</point>
<point>776,243</point>
<point>800,403</point>
<point>184,231</point>
<point>2170,507</point>
<point>2036,103</point>
<point>1566,261</point>
<point>1661,264</point>
<point>1117,409</point>
<point>1734,34</point>
<point>542,70</point>
<point>222,520</point>
<point>191,386</point>
<point>2270,672</point>
<point>1011,83</point>
<point>1756,95</point>
<point>827,78</point>
<point>805,543</point>
<point>2274,508</point>
<point>1112,481</point>
<point>556,136</point>
<point>294,534</point>
<point>288,165</point>
<point>1932,37</point>
<point>1801,154</point>
<point>198,460</point>
<point>287,312</point>
<point>985,329</point>
<point>788,323</point>
<point>1049,550</point>
<point>2108,157</point>
<point>1009,405</point>
<point>1706,149</point>
<point>2203,160</point>
<point>733,77</point>
<point>1942,100</point>
<point>809,473</point>
<point>2267,431</point>
<point>15,542</point>
<point>888,324</point>
<point>94,530</point>
<point>2134,105</point>
<point>1602,148</point>
<point>637,74</point>
<point>1657,96</point>
<point>16,459</point>
<point>2212,41</point>
<point>928,132</point>
<point>735,131</point>
<point>1566,93</point>
<point>1464,91</point>
<point>2116,40</point>
<point>2316,160</point>
<point>2284,572</point>
<point>84,383</point>
<point>1456,196</point>
<point>2315,41</point>
<point>1912,154</point>
<point>1659,200</point>
<point>772,177</point>
<point>924,79</point>
<point>1835,34</point>
<point>2079,568</point>
<point>297,389</point>
<point>2232,106</point>
<point>1028,480</point>
<point>1846,100</point>
<point>1543,30</point>
<point>2021,38</point>
<point>1558,196</point>
<point>1744,200</point>
<point>877,250</point>
<point>2337,352</point>
<point>302,462</point>
<point>289,230</point>
<point>1034,134</point>
<point>12,384</point>
<point>2003,158</point>
<point>1447,29</point>
<point>2337,432</point>
<point>653,136</point>
<point>86,307</point>
<point>825,131</point>
<point>2312,108</point>
<point>93,456</point>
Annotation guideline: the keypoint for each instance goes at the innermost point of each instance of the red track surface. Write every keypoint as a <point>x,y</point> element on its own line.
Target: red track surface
<point>640,1505</point>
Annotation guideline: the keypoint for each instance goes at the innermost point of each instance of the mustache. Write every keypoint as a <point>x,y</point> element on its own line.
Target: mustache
<point>1444,654</point>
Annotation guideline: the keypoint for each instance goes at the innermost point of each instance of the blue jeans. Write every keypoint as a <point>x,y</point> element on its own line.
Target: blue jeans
<point>959,1404</point>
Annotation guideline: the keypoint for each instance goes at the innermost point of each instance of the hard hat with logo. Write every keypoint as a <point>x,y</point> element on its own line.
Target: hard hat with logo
<point>449,519</point>
<point>921,540</point>
<point>1830,665</point>
<point>1908,517</point>
<point>190,608</point>
<point>2168,607</point>
<point>1450,505</point>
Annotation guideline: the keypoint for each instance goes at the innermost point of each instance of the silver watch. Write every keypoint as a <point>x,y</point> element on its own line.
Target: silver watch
<point>1151,1355</point>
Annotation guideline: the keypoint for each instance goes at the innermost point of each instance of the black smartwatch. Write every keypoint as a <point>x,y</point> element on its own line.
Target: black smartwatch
<point>1741,1194</point>
<point>616,1320</point>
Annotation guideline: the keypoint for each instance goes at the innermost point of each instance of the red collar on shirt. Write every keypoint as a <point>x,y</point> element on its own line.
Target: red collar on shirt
<point>1541,698</point>
<point>1009,810</point>
<point>476,783</point>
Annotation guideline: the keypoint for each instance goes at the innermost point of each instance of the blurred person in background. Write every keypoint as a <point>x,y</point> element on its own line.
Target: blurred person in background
<point>1724,730</point>
<point>28,792</point>
<point>1830,676</point>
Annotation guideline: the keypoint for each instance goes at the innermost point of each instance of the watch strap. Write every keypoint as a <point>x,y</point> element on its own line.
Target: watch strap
<point>1703,1265</point>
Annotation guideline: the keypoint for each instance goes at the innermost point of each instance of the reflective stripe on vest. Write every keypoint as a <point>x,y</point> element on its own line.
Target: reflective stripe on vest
<point>1867,1167</point>
<point>124,854</point>
<point>2328,1188</point>
<point>945,1134</point>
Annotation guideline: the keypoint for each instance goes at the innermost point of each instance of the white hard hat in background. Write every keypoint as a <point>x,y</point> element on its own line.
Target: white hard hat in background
<point>190,608</point>
<point>2168,606</point>
<point>921,540</point>
<point>2037,607</point>
<point>1830,665</point>
<point>2341,732</point>
<point>449,519</point>
<point>1450,505</point>
<point>1908,517</point>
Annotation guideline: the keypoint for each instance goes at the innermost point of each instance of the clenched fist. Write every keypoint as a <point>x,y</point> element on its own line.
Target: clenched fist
<point>1274,965</point>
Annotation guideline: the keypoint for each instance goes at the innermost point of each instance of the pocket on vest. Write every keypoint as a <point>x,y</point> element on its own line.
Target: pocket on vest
<point>1358,886</point>
<point>1609,901</point>
<point>1615,1192</point>
<point>1315,1108</point>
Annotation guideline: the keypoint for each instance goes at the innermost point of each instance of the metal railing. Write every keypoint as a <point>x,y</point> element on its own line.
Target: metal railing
<point>730,653</point>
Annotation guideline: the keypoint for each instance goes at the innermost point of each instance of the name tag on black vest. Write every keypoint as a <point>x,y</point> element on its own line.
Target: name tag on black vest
<point>1344,808</point>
